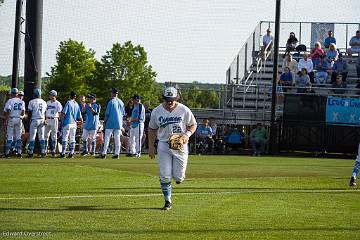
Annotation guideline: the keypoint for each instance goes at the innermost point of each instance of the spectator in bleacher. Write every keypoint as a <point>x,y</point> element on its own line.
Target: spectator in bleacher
<point>340,67</point>
<point>267,39</point>
<point>286,78</point>
<point>258,138</point>
<point>329,40</point>
<point>316,52</point>
<point>213,125</point>
<point>358,66</point>
<point>291,64</point>
<point>301,80</point>
<point>338,85</point>
<point>204,133</point>
<point>291,43</point>
<point>322,70</point>
<point>355,44</point>
<point>332,54</point>
<point>306,63</point>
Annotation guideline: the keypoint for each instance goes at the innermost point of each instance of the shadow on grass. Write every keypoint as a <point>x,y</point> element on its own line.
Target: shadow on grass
<point>77,208</point>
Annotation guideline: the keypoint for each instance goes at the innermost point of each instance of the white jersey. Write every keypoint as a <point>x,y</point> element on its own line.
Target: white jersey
<point>14,107</point>
<point>167,123</point>
<point>53,109</point>
<point>37,107</point>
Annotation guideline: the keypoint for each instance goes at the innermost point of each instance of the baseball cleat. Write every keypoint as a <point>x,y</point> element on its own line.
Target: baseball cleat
<point>18,155</point>
<point>178,182</point>
<point>115,156</point>
<point>103,156</point>
<point>42,155</point>
<point>7,156</point>
<point>62,155</point>
<point>84,153</point>
<point>352,182</point>
<point>167,205</point>
<point>71,155</point>
<point>53,154</point>
<point>30,155</point>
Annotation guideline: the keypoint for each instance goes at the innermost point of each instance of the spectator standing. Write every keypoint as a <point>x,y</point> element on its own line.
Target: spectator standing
<point>355,44</point>
<point>307,63</point>
<point>321,71</point>
<point>340,67</point>
<point>316,52</point>
<point>339,85</point>
<point>329,40</point>
<point>258,138</point>
<point>268,39</point>
<point>301,81</point>
<point>291,43</point>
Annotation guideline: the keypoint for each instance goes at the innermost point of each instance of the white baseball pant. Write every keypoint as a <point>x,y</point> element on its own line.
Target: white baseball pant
<point>69,131</point>
<point>37,127</point>
<point>51,129</point>
<point>13,132</point>
<point>108,134</point>
<point>89,134</point>
<point>136,135</point>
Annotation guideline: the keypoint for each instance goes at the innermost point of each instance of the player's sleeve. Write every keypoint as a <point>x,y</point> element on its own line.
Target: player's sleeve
<point>96,108</point>
<point>142,112</point>
<point>190,118</point>
<point>30,107</point>
<point>7,106</point>
<point>108,109</point>
<point>65,109</point>
<point>152,123</point>
<point>59,107</point>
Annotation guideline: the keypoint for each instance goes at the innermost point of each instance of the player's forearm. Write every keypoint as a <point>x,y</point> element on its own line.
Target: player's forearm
<point>152,137</point>
<point>191,129</point>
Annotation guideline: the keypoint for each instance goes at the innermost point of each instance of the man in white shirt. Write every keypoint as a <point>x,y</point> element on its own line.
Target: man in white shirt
<point>14,112</point>
<point>307,63</point>
<point>37,108</point>
<point>268,39</point>
<point>53,109</point>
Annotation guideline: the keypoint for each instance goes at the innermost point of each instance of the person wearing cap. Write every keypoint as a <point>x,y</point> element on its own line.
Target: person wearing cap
<point>169,118</point>
<point>53,109</point>
<point>37,109</point>
<point>90,127</point>
<point>71,114</point>
<point>137,127</point>
<point>114,114</point>
<point>14,112</point>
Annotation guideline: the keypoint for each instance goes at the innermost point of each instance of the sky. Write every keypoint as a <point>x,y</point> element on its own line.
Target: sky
<point>186,40</point>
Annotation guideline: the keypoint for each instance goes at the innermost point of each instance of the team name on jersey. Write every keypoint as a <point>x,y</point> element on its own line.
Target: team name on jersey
<point>164,121</point>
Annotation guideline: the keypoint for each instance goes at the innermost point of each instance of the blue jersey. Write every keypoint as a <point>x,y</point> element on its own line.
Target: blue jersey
<point>72,112</point>
<point>204,131</point>
<point>92,119</point>
<point>114,113</point>
<point>138,112</point>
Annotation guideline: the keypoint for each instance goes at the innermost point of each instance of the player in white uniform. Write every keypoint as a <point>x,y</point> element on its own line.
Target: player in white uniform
<point>14,111</point>
<point>53,109</point>
<point>37,108</point>
<point>170,117</point>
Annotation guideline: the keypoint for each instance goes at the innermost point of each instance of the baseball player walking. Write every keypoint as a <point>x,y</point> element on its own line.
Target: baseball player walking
<point>71,114</point>
<point>14,112</point>
<point>53,109</point>
<point>137,126</point>
<point>92,111</point>
<point>169,119</point>
<point>37,108</point>
<point>114,113</point>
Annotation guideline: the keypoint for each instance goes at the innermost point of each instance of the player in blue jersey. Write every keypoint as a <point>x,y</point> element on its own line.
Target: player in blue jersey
<point>204,133</point>
<point>71,114</point>
<point>137,127</point>
<point>14,112</point>
<point>37,108</point>
<point>114,113</point>
<point>91,125</point>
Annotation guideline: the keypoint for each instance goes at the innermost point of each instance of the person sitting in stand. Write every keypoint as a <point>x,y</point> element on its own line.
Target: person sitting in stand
<point>205,133</point>
<point>306,63</point>
<point>332,54</point>
<point>291,64</point>
<point>316,52</point>
<point>301,80</point>
<point>286,78</point>
<point>355,44</point>
<point>321,70</point>
<point>339,85</point>
<point>329,40</point>
<point>340,67</point>
<point>291,43</point>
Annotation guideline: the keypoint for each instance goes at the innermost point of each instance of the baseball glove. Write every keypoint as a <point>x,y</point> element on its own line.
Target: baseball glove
<point>174,142</point>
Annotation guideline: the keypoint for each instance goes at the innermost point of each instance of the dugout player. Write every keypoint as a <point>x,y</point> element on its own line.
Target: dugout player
<point>355,171</point>
<point>114,113</point>
<point>53,109</point>
<point>170,118</point>
<point>91,125</point>
<point>37,108</point>
<point>14,112</point>
<point>71,114</point>
<point>137,126</point>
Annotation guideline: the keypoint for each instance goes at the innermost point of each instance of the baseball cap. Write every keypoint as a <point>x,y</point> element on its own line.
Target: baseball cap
<point>21,93</point>
<point>114,90</point>
<point>91,95</point>
<point>53,93</point>
<point>37,92</point>
<point>268,30</point>
<point>14,91</point>
<point>136,97</point>
<point>170,93</point>
<point>73,94</point>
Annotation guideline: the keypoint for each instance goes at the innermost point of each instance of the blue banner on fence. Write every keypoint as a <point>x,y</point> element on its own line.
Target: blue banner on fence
<point>343,111</point>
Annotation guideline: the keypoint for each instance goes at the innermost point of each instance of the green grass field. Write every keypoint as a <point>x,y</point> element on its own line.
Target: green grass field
<point>223,197</point>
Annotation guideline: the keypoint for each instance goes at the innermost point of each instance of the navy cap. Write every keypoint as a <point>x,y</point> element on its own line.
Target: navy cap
<point>73,94</point>
<point>14,91</point>
<point>136,97</point>
<point>114,90</point>
<point>91,95</point>
<point>37,92</point>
